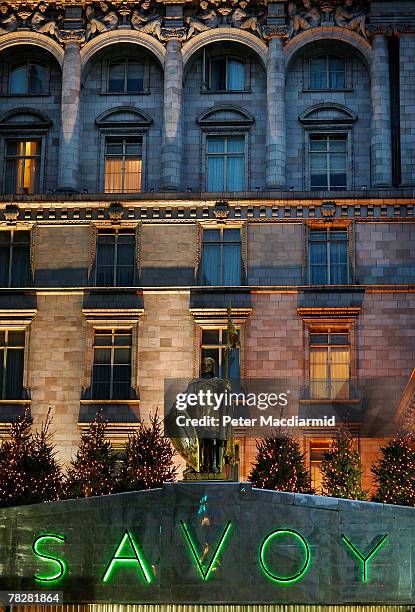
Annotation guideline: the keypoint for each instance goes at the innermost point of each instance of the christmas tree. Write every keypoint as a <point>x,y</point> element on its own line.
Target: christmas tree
<point>147,460</point>
<point>279,464</point>
<point>93,470</point>
<point>341,468</point>
<point>29,472</point>
<point>395,472</point>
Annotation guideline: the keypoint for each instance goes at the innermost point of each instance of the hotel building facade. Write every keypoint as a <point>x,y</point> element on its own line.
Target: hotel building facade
<point>161,162</point>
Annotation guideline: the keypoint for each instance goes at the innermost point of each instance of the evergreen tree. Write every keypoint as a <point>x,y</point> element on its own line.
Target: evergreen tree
<point>395,472</point>
<point>341,468</point>
<point>29,472</point>
<point>279,464</point>
<point>147,460</point>
<point>93,470</point>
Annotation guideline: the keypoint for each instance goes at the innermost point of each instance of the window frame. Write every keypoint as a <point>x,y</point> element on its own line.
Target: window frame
<point>219,133</point>
<point>221,327</point>
<point>123,140</point>
<point>122,132</point>
<point>26,135</point>
<point>6,330</point>
<point>116,229</point>
<point>133,56</point>
<point>12,230</point>
<point>120,330</point>
<point>222,229</point>
<point>320,130</point>
<point>15,63</point>
<point>330,330</point>
<point>348,59</point>
<point>327,229</point>
<point>211,56</point>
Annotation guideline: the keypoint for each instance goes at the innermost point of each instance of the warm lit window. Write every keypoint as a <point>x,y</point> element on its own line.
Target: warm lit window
<point>213,344</point>
<point>317,450</point>
<point>226,74</point>
<point>115,258</point>
<point>22,169</point>
<point>14,258</point>
<point>328,256</point>
<point>123,165</point>
<point>225,161</point>
<point>28,78</point>
<point>329,363</point>
<point>12,346</point>
<point>125,76</point>
<point>111,373</point>
<point>327,72</point>
<point>328,162</point>
<point>221,257</point>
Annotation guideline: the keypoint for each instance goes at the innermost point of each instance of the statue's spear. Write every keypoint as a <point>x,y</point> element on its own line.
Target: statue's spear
<point>231,343</point>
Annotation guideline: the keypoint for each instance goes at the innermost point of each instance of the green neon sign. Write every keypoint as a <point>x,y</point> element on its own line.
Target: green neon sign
<point>205,571</point>
<point>60,566</point>
<point>120,558</point>
<point>305,548</point>
<point>362,559</point>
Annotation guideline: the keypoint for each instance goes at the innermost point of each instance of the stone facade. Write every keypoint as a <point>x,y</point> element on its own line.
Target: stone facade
<point>174,112</point>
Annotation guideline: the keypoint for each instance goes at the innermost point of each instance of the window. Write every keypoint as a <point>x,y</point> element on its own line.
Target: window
<point>329,363</point>
<point>327,72</point>
<point>12,346</point>
<point>225,163</point>
<point>125,76</point>
<point>115,258</point>
<point>28,78</point>
<point>317,450</point>
<point>213,345</point>
<point>226,74</point>
<point>22,167</point>
<point>328,162</point>
<point>221,257</point>
<point>111,373</point>
<point>123,165</point>
<point>328,255</point>
<point>14,258</point>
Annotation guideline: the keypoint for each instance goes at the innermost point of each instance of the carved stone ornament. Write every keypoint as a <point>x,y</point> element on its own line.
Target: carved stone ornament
<point>307,14</point>
<point>328,209</point>
<point>221,211</point>
<point>42,18</point>
<point>116,212</point>
<point>11,213</point>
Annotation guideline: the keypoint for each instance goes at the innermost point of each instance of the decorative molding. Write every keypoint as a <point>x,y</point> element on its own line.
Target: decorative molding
<point>323,312</point>
<point>11,213</point>
<point>219,316</point>
<point>116,212</point>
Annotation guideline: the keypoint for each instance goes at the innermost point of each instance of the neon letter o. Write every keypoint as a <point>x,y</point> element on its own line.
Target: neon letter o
<point>307,556</point>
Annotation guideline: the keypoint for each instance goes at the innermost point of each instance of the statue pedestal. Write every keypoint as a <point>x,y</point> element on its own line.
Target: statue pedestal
<point>200,476</point>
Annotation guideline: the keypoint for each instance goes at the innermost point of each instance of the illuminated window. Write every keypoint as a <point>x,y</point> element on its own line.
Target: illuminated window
<point>317,450</point>
<point>12,346</point>
<point>22,169</point>
<point>28,78</point>
<point>213,343</point>
<point>328,162</point>
<point>329,363</point>
<point>14,258</point>
<point>327,72</point>
<point>125,76</point>
<point>115,258</point>
<point>328,256</point>
<point>111,373</point>
<point>225,163</point>
<point>123,165</point>
<point>226,73</point>
<point>221,257</point>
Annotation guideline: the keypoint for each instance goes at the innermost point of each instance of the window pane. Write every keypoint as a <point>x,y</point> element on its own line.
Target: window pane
<point>235,174</point>
<point>14,374</point>
<point>318,162</point>
<point>210,336</point>
<point>18,80</point>
<point>116,75</point>
<point>236,144</point>
<point>132,175</point>
<point>218,74</point>
<point>232,264</point>
<point>113,175</point>
<point>211,265</point>
<point>236,75</point>
<point>135,76</point>
<point>216,173</point>
<point>231,235</point>
<point>215,145</point>
<point>4,264</point>
<point>318,73</point>
<point>211,235</point>
<point>338,180</point>
<point>318,373</point>
<point>36,79</point>
<point>337,144</point>
<point>20,273</point>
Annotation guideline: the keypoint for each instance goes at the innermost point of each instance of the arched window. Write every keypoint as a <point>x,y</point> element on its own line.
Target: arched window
<point>327,72</point>
<point>28,78</point>
<point>225,73</point>
<point>125,75</point>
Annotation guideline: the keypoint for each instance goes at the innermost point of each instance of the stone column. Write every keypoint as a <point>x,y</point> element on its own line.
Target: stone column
<point>381,140</point>
<point>70,119</point>
<point>172,145</point>
<point>275,135</point>
<point>407,98</point>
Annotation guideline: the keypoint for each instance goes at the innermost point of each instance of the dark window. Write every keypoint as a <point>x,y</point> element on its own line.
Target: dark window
<point>221,257</point>
<point>111,374</point>
<point>225,161</point>
<point>317,451</point>
<point>328,254</point>
<point>115,258</point>
<point>327,72</point>
<point>226,74</point>
<point>22,167</point>
<point>14,258</point>
<point>28,78</point>
<point>213,345</point>
<point>328,162</point>
<point>125,76</point>
<point>12,344</point>
<point>123,165</point>
<point>329,364</point>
